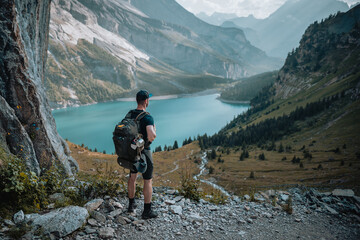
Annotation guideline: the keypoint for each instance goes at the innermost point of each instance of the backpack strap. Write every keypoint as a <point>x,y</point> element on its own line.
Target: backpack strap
<point>141,116</point>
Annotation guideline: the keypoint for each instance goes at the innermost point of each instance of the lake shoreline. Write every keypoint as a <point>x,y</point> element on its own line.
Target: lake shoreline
<point>155,98</point>
<point>232,101</point>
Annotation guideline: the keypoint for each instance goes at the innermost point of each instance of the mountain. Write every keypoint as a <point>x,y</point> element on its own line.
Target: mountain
<point>328,54</point>
<point>27,128</point>
<point>306,124</point>
<point>102,50</point>
<point>216,18</point>
<point>279,33</point>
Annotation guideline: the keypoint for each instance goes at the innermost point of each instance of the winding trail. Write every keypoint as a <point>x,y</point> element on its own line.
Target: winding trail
<point>202,168</point>
<point>177,165</point>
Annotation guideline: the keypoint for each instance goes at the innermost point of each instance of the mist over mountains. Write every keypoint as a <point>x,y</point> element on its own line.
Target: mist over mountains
<point>102,50</point>
<point>279,33</point>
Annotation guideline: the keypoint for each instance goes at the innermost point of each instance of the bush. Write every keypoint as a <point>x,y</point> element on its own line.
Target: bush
<point>295,160</point>
<point>189,187</point>
<point>252,175</point>
<point>262,156</point>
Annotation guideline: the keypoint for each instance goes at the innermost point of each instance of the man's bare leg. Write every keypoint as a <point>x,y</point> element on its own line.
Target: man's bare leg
<point>131,191</point>
<point>147,191</point>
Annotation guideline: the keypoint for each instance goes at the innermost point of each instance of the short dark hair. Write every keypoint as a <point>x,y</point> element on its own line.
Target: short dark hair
<point>142,95</point>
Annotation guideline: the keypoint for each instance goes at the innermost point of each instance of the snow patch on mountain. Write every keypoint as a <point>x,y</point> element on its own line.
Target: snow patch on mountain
<point>68,29</point>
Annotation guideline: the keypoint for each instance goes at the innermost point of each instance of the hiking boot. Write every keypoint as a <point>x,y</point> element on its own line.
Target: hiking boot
<point>132,207</point>
<point>149,214</point>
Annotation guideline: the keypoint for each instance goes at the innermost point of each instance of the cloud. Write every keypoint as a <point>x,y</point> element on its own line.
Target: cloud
<point>243,8</point>
<point>259,8</point>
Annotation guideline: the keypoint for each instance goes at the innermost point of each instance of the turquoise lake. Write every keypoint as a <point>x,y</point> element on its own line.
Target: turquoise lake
<point>175,119</point>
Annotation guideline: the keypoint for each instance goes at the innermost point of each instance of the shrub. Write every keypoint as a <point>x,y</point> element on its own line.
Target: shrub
<point>283,159</point>
<point>189,187</point>
<point>252,175</point>
<point>295,160</point>
<point>262,156</point>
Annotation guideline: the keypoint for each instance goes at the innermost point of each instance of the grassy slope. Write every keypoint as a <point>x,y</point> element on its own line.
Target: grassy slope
<point>248,88</point>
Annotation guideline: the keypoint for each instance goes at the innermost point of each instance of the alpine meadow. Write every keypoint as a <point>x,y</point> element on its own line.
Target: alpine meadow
<point>179,119</point>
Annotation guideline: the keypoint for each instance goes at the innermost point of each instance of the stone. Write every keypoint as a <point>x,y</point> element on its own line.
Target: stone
<point>170,202</point>
<point>9,223</point>
<point>213,208</point>
<point>178,198</point>
<point>343,193</point>
<point>246,197</point>
<point>247,208</point>
<point>89,230</point>
<point>284,197</point>
<point>62,221</point>
<point>106,232</point>
<point>29,218</point>
<point>297,220</point>
<point>98,216</point>
<point>241,221</point>
<point>57,197</point>
<point>19,217</point>
<point>93,204</point>
<point>176,209</point>
<point>92,222</point>
<point>138,222</point>
<point>117,205</point>
<point>249,220</point>
<point>357,199</point>
<point>121,220</point>
<point>115,213</point>
<point>331,210</point>
<point>170,191</point>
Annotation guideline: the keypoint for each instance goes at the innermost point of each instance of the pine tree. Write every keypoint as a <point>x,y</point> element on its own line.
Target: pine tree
<point>176,146</point>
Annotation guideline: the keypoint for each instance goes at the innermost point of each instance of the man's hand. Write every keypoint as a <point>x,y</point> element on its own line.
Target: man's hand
<point>151,132</point>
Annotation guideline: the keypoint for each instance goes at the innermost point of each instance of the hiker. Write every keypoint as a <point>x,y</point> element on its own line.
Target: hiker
<point>148,130</point>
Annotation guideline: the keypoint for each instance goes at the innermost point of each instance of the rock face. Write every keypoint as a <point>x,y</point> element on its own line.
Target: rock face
<point>27,128</point>
<point>328,50</point>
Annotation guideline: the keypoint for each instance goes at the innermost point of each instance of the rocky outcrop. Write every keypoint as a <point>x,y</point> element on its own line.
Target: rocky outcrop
<point>328,54</point>
<point>27,128</point>
<point>299,212</point>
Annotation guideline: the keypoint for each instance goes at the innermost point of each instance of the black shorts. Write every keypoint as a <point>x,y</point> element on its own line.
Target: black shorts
<point>147,175</point>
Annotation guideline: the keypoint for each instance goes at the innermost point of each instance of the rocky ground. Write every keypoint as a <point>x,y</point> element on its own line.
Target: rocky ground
<point>298,213</point>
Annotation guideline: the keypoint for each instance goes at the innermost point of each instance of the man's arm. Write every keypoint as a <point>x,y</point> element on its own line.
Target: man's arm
<point>151,132</point>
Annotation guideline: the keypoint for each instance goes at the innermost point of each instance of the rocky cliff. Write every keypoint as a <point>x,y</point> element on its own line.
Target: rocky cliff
<point>328,56</point>
<point>27,128</point>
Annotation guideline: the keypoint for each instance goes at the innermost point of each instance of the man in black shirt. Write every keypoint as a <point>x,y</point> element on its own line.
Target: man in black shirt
<point>148,130</point>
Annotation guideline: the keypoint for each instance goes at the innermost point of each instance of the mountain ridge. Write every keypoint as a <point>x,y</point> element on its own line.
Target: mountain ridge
<point>148,51</point>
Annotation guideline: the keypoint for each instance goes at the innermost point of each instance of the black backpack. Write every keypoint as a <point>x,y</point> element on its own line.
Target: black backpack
<point>129,143</point>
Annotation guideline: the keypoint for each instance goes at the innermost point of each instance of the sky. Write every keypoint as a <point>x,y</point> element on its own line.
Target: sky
<point>243,8</point>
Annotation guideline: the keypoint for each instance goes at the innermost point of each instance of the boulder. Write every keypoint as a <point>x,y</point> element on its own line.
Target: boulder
<point>19,217</point>
<point>343,193</point>
<point>106,232</point>
<point>62,221</point>
<point>176,209</point>
<point>93,204</point>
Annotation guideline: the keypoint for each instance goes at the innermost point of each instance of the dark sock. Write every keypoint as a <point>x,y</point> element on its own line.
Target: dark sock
<point>147,206</point>
<point>131,200</point>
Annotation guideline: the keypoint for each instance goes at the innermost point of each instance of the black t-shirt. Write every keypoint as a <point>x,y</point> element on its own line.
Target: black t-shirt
<point>145,121</point>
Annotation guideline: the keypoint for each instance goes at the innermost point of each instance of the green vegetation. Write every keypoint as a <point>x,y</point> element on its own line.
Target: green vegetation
<point>189,187</point>
<point>247,88</point>
<point>90,72</point>
<point>21,189</point>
